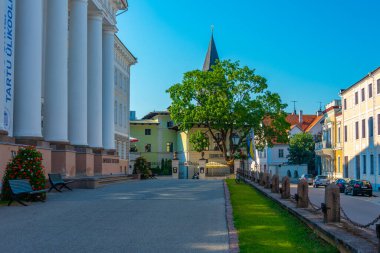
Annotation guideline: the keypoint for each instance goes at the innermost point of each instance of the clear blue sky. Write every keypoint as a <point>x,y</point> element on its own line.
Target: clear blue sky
<point>308,50</point>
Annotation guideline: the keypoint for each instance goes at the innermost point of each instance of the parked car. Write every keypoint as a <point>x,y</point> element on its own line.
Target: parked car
<point>341,183</point>
<point>308,177</point>
<point>355,187</point>
<point>321,181</point>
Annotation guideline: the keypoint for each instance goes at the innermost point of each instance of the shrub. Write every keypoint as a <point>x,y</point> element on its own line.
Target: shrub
<point>27,164</point>
<point>141,167</point>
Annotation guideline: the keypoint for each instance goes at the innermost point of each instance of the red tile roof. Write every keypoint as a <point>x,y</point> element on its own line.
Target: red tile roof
<point>307,120</point>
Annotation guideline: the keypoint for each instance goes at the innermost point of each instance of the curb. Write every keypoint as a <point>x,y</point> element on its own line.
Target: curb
<point>334,233</point>
<point>233,239</point>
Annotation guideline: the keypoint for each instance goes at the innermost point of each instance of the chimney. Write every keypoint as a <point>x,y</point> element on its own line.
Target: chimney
<point>319,113</point>
<point>300,117</point>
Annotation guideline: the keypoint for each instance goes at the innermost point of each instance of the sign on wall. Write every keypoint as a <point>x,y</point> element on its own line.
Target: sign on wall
<point>7,42</point>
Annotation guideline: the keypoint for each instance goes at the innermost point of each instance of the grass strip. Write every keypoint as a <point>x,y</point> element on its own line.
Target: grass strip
<point>264,226</point>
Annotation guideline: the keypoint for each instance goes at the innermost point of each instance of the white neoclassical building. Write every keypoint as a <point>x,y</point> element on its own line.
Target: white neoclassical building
<point>58,83</point>
<point>124,59</point>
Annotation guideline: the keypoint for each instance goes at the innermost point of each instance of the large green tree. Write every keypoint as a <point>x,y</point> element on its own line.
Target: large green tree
<point>199,141</point>
<point>229,99</point>
<point>301,149</point>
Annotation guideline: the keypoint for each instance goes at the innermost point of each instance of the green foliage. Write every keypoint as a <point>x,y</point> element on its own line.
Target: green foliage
<point>301,149</point>
<point>263,226</point>
<point>141,167</point>
<point>166,168</point>
<point>230,99</point>
<point>199,141</point>
<point>27,164</point>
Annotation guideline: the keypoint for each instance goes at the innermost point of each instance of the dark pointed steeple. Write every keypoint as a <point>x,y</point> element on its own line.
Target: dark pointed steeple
<point>212,54</point>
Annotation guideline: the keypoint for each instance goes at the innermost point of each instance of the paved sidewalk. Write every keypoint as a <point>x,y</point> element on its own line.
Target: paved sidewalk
<point>141,216</point>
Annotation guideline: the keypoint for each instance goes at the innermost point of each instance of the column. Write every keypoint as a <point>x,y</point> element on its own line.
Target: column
<point>56,87</point>
<point>28,69</point>
<point>108,87</point>
<point>94,77</point>
<point>78,73</point>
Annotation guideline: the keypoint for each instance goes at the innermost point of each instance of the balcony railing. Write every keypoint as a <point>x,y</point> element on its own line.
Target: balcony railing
<point>322,145</point>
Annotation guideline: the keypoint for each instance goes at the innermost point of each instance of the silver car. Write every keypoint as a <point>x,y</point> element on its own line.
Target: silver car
<point>321,181</point>
<point>308,177</point>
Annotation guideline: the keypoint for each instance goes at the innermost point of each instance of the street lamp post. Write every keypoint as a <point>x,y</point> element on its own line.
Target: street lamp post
<point>235,142</point>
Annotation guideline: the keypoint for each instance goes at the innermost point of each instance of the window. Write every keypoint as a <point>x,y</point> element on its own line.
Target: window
<point>364,164</point>
<point>345,104</point>
<point>148,148</point>
<point>115,113</point>
<point>116,77</point>
<point>338,164</point>
<point>345,172</point>
<point>356,98</point>
<point>125,116</point>
<point>356,130</point>
<point>338,134</point>
<point>370,90</point>
<point>371,164</point>
<point>363,128</point>
<point>345,133</point>
<point>147,131</point>
<point>280,153</point>
<point>370,127</point>
<point>120,115</point>
<point>378,86</point>
<point>169,147</point>
<point>363,94</point>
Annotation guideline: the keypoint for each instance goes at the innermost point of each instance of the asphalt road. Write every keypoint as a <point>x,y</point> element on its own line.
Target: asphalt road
<point>141,216</point>
<point>361,209</point>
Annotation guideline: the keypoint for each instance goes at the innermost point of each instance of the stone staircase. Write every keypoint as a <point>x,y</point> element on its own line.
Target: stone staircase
<point>86,182</point>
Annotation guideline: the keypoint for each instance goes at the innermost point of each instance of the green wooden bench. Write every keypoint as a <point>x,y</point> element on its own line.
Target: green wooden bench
<point>57,181</point>
<point>20,188</point>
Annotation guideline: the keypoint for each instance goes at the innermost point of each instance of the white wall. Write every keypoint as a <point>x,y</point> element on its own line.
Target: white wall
<point>283,170</point>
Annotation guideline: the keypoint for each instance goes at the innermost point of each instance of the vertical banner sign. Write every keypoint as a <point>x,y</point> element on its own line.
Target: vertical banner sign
<point>8,80</point>
<point>251,145</point>
<point>2,62</point>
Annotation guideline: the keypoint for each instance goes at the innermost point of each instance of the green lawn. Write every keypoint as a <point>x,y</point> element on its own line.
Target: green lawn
<point>263,226</point>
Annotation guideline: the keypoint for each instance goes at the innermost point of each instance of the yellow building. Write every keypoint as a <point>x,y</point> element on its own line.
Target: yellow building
<point>330,149</point>
<point>156,135</point>
<point>361,128</point>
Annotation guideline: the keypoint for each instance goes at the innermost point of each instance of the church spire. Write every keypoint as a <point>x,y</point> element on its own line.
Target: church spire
<point>212,54</point>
